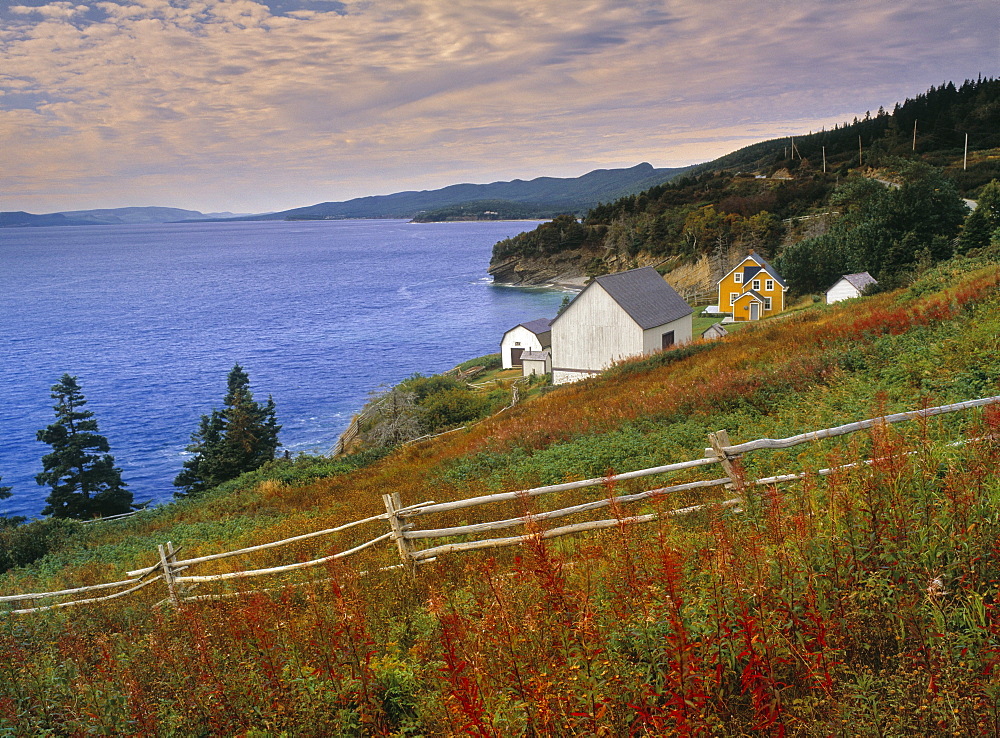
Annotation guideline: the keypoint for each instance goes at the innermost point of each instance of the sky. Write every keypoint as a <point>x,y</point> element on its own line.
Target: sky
<point>241,106</point>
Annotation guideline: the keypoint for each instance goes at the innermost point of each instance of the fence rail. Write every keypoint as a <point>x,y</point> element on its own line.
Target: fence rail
<point>405,537</point>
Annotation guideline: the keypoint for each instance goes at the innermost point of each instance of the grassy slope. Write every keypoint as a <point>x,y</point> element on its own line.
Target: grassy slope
<point>807,614</point>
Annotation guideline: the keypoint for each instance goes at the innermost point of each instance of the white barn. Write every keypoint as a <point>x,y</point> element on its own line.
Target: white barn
<point>848,286</point>
<point>616,317</point>
<point>531,336</point>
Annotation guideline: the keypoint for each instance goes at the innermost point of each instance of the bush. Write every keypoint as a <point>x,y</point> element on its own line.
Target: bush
<point>453,407</point>
<point>23,544</point>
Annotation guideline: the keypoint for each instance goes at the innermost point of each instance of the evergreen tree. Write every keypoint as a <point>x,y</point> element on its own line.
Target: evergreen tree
<point>6,522</point>
<point>200,472</point>
<point>82,474</point>
<point>982,225</point>
<point>239,438</point>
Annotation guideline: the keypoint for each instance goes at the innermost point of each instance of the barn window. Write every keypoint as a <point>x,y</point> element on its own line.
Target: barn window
<point>767,303</point>
<point>738,277</point>
<point>769,285</point>
<point>667,339</point>
<point>756,284</point>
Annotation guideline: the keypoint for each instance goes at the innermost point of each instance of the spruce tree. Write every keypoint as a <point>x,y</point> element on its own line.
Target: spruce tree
<point>6,522</point>
<point>82,474</point>
<point>239,438</point>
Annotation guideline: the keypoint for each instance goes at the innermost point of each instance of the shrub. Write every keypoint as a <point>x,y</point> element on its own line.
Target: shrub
<point>23,544</point>
<point>452,407</point>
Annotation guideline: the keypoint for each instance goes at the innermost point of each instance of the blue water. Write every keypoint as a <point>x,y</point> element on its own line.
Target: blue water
<point>151,318</point>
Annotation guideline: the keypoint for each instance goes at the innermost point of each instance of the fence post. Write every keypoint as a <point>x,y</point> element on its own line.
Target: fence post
<point>166,562</point>
<point>405,547</point>
<point>718,441</point>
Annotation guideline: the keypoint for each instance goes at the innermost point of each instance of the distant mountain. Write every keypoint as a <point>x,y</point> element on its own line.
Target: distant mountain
<point>574,194</point>
<point>19,218</point>
<point>138,216</point>
<point>539,198</point>
<point>107,216</point>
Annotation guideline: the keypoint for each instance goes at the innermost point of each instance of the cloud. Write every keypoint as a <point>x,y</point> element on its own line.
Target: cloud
<point>288,102</point>
<point>59,10</point>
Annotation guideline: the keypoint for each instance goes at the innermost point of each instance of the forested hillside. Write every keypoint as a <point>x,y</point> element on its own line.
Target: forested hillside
<point>526,198</point>
<point>779,192</point>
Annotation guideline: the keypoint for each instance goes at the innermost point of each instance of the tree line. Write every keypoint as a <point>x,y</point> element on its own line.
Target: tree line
<point>80,470</point>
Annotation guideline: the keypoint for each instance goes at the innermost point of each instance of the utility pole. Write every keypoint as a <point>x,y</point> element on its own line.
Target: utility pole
<point>965,157</point>
<point>824,160</point>
<point>914,135</point>
<point>860,160</point>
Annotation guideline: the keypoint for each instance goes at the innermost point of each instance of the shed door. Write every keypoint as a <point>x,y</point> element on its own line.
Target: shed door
<point>754,310</point>
<point>668,340</point>
<point>515,356</point>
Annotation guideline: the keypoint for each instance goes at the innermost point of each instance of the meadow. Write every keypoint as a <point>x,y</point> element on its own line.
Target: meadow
<point>863,603</point>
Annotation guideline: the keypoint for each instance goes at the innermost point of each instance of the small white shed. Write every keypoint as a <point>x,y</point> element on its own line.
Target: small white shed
<point>616,317</point>
<point>536,362</point>
<point>714,332</point>
<point>534,335</point>
<point>848,286</point>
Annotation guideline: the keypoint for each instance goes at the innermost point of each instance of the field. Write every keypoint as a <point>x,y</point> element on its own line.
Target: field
<point>862,603</point>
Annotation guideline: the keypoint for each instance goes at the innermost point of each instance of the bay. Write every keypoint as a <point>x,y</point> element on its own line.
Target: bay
<point>151,319</point>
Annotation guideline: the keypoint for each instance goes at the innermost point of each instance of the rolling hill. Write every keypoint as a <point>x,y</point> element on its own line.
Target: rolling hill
<point>544,194</point>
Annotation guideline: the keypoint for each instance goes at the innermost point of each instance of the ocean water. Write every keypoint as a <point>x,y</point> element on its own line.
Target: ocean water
<point>151,319</point>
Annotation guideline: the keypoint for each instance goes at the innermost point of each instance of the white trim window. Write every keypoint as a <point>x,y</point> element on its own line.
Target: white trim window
<point>738,277</point>
<point>732,298</point>
<point>756,285</point>
<point>769,285</point>
<point>767,303</point>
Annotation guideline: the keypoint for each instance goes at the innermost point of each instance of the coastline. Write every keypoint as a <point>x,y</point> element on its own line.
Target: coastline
<point>562,284</point>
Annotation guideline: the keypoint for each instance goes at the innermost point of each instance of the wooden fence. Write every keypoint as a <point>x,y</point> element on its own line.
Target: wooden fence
<point>407,539</point>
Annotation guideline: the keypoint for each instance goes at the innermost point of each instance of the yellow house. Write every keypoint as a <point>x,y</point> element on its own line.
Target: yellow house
<point>753,290</point>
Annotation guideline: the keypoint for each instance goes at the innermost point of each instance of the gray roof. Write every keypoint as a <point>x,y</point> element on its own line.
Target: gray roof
<point>860,280</point>
<point>753,293</point>
<point>716,328</point>
<point>535,355</point>
<point>645,296</point>
<point>539,325</point>
<point>769,269</point>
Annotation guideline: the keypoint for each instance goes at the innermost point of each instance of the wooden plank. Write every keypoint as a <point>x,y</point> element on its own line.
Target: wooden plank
<point>416,510</point>
<point>840,430</point>
<point>597,504</point>
<point>280,569</point>
<point>552,514</point>
<point>64,592</point>
<point>168,576</point>
<point>565,530</point>
<point>274,544</point>
<point>405,548</point>
<point>90,601</point>
<point>718,441</point>
<point>242,593</point>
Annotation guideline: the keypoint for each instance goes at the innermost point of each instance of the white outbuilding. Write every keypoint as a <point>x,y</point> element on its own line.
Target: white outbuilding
<point>848,286</point>
<point>536,362</point>
<point>714,332</point>
<point>531,336</point>
<point>616,317</point>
